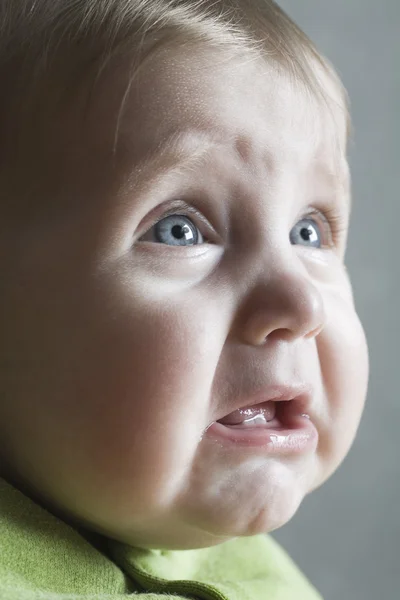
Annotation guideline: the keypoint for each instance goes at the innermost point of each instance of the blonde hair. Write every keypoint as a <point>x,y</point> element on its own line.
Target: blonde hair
<point>48,45</point>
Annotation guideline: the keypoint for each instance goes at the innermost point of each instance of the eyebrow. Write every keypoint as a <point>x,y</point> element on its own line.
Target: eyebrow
<point>182,151</point>
<point>185,151</point>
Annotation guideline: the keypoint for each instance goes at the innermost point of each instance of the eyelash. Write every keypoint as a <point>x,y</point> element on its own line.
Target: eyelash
<point>331,218</point>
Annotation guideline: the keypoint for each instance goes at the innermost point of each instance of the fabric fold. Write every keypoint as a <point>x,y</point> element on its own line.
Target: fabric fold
<point>44,558</point>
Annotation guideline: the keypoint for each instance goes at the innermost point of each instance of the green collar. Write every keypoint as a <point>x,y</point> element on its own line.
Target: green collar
<point>43,557</point>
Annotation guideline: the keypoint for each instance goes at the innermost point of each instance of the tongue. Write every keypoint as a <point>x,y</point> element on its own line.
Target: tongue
<point>268,409</point>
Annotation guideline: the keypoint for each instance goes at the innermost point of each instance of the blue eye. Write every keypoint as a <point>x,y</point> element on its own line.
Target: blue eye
<point>176,230</point>
<point>306,233</point>
<point>179,230</point>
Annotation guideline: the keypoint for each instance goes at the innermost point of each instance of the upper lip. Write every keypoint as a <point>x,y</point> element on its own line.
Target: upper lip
<point>300,393</point>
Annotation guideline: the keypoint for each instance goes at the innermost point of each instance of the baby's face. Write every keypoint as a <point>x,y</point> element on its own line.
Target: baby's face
<point>196,272</point>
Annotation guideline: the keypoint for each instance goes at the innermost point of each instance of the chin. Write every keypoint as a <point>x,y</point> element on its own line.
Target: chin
<point>244,523</point>
<point>272,518</point>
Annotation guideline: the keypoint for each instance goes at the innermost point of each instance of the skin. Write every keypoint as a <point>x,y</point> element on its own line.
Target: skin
<point>121,350</point>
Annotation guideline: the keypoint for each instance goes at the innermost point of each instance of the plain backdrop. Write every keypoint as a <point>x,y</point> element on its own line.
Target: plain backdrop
<point>346,535</point>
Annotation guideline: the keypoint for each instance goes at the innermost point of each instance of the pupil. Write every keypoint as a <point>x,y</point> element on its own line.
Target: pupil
<point>305,234</point>
<point>178,231</point>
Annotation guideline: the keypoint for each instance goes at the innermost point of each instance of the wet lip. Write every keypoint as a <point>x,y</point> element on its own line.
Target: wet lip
<point>291,431</point>
<point>298,397</point>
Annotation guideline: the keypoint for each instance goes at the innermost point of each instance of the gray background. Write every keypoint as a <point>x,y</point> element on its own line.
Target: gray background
<point>346,536</point>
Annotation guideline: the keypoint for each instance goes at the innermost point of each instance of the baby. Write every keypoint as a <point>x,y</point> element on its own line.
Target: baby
<point>181,358</point>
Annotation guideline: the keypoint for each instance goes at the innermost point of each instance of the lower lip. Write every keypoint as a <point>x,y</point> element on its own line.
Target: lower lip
<point>298,437</point>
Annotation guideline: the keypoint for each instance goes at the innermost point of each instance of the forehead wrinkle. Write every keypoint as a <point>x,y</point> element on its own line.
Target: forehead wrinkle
<point>177,154</point>
<point>333,179</point>
<point>184,152</point>
<point>245,150</point>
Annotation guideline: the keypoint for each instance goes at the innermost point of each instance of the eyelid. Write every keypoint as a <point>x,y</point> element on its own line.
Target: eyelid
<point>318,215</point>
<point>333,220</point>
<point>177,207</point>
<point>332,217</point>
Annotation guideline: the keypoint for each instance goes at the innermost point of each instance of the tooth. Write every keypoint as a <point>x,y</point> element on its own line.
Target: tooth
<point>258,419</point>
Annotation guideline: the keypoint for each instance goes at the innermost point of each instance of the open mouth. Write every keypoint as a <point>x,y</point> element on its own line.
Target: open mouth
<point>272,414</point>
<point>281,426</point>
<point>264,415</point>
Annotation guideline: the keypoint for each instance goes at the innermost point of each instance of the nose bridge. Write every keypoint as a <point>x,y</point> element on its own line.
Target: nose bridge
<point>284,303</point>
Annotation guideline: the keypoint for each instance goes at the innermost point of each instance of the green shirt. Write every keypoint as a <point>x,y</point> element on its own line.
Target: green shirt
<point>44,558</point>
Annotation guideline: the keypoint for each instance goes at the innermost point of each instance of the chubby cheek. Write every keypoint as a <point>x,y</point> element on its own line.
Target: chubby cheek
<point>343,355</point>
<point>125,406</point>
<point>153,377</point>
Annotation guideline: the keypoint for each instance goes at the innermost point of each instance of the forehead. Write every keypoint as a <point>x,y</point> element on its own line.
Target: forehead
<point>246,107</point>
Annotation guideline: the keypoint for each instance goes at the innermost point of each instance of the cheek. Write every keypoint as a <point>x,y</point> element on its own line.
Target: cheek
<point>113,384</point>
<point>153,375</point>
<point>344,363</point>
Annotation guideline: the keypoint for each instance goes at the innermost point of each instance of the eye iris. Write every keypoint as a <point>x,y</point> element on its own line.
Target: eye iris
<point>306,233</point>
<point>170,233</point>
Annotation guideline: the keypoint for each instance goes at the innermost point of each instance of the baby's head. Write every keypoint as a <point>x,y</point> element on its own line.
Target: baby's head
<point>175,205</point>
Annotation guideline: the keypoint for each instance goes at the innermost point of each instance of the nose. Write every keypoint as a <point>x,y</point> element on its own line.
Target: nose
<point>288,307</point>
